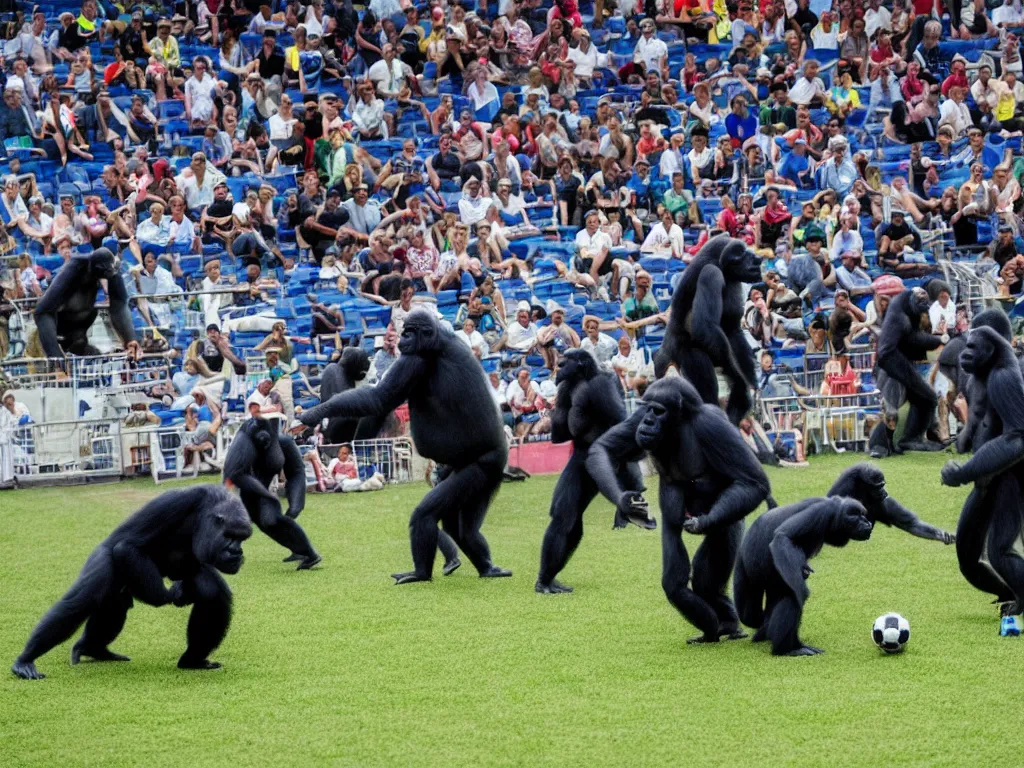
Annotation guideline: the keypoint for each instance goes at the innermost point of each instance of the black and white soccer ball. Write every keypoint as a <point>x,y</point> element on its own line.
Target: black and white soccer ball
<point>891,632</point>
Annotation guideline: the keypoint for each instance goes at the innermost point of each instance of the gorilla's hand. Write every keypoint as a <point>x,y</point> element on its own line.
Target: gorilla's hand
<point>179,595</point>
<point>694,525</point>
<point>951,475</point>
<point>26,670</point>
<point>948,538</point>
<point>807,571</point>
<point>633,507</point>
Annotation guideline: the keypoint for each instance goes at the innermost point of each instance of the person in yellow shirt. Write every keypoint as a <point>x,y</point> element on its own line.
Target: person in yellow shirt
<point>291,55</point>
<point>165,65</point>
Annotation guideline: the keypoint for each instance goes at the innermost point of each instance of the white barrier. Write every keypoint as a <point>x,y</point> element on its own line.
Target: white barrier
<point>836,422</point>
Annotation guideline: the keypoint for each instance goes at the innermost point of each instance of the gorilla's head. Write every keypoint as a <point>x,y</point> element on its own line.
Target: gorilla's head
<point>983,349</point>
<point>863,482</point>
<point>577,365</point>
<point>421,334</point>
<point>995,319</point>
<point>739,263</point>
<point>851,522</point>
<point>223,526</point>
<point>102,264</point>
<point>918,302</point>
<point>355,363</point>
<point>666,402</point>
<point>264,440</point>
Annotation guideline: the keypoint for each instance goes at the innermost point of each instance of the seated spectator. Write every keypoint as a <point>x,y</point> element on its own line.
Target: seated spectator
<point>841,320</point>
<point>852,277</point>
<point>870,328</point>
<point>471,337</point>
<point>556,338</point>
<point>343,474</point>
<point>199,441</point>
<point>601,346</point>
<point>521,336</point>
<point>942,313</point>
<point>896,238</point>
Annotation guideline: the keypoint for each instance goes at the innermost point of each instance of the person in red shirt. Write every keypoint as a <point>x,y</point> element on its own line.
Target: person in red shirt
<point>882,54</point>
<point>957,76</point>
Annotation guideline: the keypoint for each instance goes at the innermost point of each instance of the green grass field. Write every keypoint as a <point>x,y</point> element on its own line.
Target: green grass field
<point>338,667</point>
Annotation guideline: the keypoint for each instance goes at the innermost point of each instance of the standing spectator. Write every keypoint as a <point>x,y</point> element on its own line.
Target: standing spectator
<point>600,345</point>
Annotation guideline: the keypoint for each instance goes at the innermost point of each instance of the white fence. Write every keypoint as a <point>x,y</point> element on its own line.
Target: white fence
<point>828,422</point>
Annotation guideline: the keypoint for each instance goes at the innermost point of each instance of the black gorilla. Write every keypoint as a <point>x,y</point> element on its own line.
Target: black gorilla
<point>341,377</point>
<point>589,403</point>
<point>866,484</point>
<point>454,422</point>
<point>773,565</point>
<point>704,329</point>
<point>710,481</point>
<point>993,513</point>
<point>975,391</point>
<point>67,310</point>
<point>901,344</point>
<point>256,456</point>
<point>186,536</point>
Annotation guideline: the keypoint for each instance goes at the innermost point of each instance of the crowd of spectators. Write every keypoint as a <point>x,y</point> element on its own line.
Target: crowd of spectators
<point>538,173</point>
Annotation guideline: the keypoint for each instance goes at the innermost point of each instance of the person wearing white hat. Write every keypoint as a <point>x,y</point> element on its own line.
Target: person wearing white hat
<point>556,337</point>
<point>521,335</point>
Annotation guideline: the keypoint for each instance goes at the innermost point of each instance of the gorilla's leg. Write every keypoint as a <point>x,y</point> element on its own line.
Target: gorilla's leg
<point>67,614</point>
<point>784,624</point>
<point>749,597</point>
<point>880,441</point>
<point>573,493</point>
<point>712,566</point>
<point>369,427</point>
<point>971,535</point>
<point>675,566</point>
<point>484,480</point>
<point>266,513</point>
<point>698,369</point>
<point>209,620</point>
<point>103,626</point>
<point>740,402</point>
<point>450,551</point>
<point>922,400</point>
<point>1004,534</point>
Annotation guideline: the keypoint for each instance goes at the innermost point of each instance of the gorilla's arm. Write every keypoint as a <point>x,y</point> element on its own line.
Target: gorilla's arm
<point>788,557</point>
<point>391,392</point>
<point>725,450</point>
<point>120,314</point>
<point>295,476</point>
<point>70,278</point>
<point>614,448</point>
<point>1006,397</point>
<point>706,320</point>
<point>891,512</point>
<point>142,576</point>
<point>238,467</point>
<point>560,432</point>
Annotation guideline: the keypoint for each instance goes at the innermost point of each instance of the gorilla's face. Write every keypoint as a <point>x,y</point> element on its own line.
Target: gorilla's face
<point>741,264</point>
<point>872,487</point>
<point>102,264</point>
<point>420,335</point>
<point>918,301</point>
<point>853,522</point>
<point>977,356</point>
<point>656,423</point>
<point>576,365</point>
<point>218,540</point>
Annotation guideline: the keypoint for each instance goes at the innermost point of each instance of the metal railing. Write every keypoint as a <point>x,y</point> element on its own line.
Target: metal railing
<point>828,422</point>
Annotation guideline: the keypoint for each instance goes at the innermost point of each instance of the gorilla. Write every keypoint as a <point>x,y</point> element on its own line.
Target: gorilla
<point>866,484</point>
<point>67,310</point>
<point>454,422</point>
<point>993,514</point>
<point>186,536</point>
<point>340,377</point>
<point>974,391</point>
<point>589,403</point>
<point>773,565</point>
<point>704,328</point>
<point>256,456</point>
<point>900,345</point>
<point>710,481</point>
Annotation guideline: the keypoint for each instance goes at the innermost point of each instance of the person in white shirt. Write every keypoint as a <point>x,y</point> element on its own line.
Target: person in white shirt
<point>954,112</point>
<point>586,57</point>
<point>473,204</point>
<point>665,238</point>
<point>630,365</point>
<point>196,183</point>
<point>472,338</point>
<point>809,88</point>
<point>521,394</point>
<point>876,17</point>
<point>593,246</point>
<point>672,158</point>
<point>280,124</point>
<point>481,91</point>
<point>389,74</point>
<point>521,335</point>
<point>825,36</point>
<point>200,90</point>
<point>650,52</point>
<point>1009,14</point>
<point>498,389</point>
<point>600,345</point>
<point>942,313</point>
<point>368,113</point>
<point>156,229</point>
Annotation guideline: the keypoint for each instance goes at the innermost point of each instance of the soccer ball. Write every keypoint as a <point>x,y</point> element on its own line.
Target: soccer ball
<point>891,632</point>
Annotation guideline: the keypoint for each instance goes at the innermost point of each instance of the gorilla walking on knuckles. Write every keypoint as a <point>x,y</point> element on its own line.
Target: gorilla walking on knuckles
<point>454,422</point>
<point>589,402</point>
<point>187,536</point>
<point>710,481</point>
<point>67,310</point>
<point>993,514</point>
<point>769,583</point>
<point>705,330</point>
<point>256,456</point>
